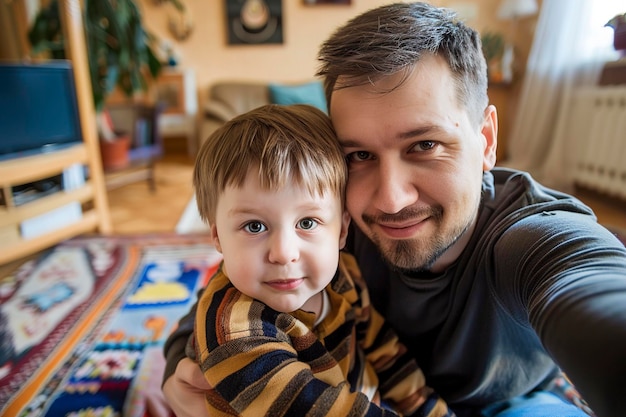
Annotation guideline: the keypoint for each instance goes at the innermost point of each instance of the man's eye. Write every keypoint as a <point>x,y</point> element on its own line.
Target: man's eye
<point>307,224</point>
<point>254,227</point>
<point>425,145</point>
<point>358,156</point>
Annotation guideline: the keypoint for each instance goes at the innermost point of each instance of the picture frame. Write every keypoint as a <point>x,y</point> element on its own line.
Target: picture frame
<point>325,2</point>
<point>254,22</point>
<point>170,90</point>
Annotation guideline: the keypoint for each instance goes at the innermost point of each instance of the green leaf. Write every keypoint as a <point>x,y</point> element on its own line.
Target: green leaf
<point>118,47</point>
<point>153,63</point>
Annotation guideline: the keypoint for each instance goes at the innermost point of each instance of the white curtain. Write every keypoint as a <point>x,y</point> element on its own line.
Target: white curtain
<point>570,46</point>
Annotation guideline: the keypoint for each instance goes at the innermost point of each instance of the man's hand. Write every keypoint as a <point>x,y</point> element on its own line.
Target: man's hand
<point>184,391</point>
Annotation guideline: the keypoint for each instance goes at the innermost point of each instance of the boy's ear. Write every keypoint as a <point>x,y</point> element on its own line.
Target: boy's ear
<point>216,239</point>
<point>345,222</point>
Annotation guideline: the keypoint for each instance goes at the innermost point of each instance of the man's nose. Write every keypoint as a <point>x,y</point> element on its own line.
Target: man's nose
<point>396,187</point>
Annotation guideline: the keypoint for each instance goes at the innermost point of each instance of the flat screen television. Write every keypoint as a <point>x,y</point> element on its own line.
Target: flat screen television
<point>38,108</point>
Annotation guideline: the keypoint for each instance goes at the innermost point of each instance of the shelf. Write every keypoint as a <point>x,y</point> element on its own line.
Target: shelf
<point>42,205</point>
<point>136,173</point>
<point>15,249</point>
<point>141,122</point>
<point>23,170</point>
<point>32,168</point>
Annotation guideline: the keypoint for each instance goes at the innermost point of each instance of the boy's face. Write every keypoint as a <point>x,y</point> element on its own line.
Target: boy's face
<point>280,247</point>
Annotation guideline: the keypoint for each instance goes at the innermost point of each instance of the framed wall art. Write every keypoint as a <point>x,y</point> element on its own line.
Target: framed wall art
<point>170,90</point>
<point>316,2</point>
<point>254,21</point>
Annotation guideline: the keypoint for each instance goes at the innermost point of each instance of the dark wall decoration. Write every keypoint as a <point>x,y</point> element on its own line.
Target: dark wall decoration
<point>314,2</point>
<point>254,21</point>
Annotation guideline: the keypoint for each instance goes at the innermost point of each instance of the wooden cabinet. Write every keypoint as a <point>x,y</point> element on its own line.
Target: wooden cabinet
<point>90,196</point>
<point>19,171</point>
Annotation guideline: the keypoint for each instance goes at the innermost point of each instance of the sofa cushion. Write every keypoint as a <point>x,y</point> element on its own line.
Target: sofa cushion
<point>230,99</point>
<point>308,93</point>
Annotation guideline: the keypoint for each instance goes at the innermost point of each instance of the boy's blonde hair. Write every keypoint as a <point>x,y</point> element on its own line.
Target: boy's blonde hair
<point>279,144</point>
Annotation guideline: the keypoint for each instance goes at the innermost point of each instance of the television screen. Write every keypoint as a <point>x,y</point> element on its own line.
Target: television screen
<point>38,108</point>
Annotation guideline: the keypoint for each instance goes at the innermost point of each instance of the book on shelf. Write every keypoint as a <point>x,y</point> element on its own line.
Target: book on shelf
<point>73,177</point>
<point>52,220</point>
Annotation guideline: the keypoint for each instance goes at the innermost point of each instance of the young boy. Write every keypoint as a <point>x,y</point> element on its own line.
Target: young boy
<point>285,327</point>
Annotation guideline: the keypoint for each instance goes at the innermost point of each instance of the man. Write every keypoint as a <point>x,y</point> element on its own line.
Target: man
<point>494,282</point>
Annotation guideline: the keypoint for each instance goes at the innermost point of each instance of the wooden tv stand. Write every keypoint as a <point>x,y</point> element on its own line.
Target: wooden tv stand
<point>91,195</point>
<point>24,170</point>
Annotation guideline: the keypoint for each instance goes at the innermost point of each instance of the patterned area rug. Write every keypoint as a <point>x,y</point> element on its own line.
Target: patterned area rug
<point>82,327</point>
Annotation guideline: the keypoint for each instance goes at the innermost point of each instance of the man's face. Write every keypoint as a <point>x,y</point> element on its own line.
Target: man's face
<point>415,164</point>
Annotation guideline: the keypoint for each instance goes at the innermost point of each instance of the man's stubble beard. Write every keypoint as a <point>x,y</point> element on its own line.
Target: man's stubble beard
<point>409,256</point>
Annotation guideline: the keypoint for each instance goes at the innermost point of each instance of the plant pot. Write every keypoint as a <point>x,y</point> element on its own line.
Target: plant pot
<point>114,153</point>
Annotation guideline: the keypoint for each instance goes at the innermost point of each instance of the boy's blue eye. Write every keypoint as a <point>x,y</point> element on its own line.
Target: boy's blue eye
<point>254,227</point>
<point>307,224</point>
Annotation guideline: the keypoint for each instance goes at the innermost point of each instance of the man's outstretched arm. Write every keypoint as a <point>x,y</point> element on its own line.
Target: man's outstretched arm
<point>185,390</point>
<point>183,385</point>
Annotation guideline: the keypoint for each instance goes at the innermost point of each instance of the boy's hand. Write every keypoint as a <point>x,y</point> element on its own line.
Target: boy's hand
<point>185,390</point>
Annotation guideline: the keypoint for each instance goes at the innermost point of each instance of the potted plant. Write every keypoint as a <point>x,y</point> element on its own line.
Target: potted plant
<point>119,50</point>
<point>493,45</point>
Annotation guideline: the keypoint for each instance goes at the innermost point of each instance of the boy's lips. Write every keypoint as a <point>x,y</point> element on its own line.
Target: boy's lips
<point>285,284</point>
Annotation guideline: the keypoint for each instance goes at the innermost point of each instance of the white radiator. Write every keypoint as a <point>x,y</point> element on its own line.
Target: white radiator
<point>597,129</point>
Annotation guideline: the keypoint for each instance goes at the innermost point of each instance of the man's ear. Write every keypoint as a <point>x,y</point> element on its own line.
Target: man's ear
<point>215,237</point>
<point>345,222</point>
<point>489,131</point>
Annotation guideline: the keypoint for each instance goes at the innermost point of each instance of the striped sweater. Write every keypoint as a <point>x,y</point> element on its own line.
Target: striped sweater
<point>265,363</point>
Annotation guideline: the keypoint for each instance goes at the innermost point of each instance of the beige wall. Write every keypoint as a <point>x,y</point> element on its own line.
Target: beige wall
<point>304,28</point>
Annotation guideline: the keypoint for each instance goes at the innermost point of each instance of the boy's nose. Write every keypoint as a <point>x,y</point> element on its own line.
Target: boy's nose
<point>283,248</point>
